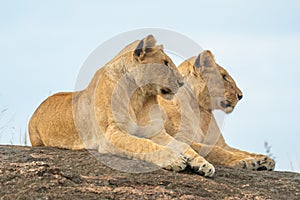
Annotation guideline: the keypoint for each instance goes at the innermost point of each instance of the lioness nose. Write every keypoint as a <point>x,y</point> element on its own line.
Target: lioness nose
<point>239,96</point>
<point>180,83</point>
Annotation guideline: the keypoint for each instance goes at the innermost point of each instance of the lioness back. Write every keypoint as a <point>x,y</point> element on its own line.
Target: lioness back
<point>54,119</point>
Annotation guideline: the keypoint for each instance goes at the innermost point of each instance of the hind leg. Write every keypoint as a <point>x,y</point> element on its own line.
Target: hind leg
<point>35,138</point>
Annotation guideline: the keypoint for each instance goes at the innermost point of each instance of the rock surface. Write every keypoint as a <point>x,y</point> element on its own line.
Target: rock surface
<point>50,173</point>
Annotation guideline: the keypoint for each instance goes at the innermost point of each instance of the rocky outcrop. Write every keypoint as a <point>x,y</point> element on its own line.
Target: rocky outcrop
<point>50,173</point>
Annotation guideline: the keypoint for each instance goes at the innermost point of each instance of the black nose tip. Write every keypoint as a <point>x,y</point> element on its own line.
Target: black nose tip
<point>240,96</point>
<point>180,83</point>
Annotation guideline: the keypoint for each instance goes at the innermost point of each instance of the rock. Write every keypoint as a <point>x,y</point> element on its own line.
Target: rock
<point>51,173</point>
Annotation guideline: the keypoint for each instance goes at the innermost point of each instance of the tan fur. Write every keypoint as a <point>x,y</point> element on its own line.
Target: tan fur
<point>211,85</point>
<point>99,117</point>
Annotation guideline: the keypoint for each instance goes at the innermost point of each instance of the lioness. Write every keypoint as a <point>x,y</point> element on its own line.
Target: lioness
<point>113,114</point>
<point>214,89</point>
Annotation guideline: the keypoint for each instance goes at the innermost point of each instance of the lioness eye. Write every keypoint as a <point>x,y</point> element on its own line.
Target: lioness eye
<point>166,63</point>
<point>225,77</point>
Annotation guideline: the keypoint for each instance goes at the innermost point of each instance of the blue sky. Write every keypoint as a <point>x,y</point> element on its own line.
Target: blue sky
<point>44,43</point>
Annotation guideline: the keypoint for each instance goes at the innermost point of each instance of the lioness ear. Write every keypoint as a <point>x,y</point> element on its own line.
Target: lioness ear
<point>146,45</point>
<point>207,59</point>
<point>204,61</point>
<point>197,62</point>
<point>150,42</point>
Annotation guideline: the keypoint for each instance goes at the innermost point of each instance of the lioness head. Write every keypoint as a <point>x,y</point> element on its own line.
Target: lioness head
<point>153,70</point>
<point>211,83</point>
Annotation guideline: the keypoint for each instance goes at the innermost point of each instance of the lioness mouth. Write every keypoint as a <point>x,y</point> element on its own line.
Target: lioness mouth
<point>225,104</point>
<point>166,91</point>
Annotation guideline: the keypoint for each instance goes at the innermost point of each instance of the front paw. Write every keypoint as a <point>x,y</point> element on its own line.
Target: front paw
<point>244,163</point>
<point>172,161</point>
<point>264,163</point>
<point>202,167</point>
<point>176,165</point>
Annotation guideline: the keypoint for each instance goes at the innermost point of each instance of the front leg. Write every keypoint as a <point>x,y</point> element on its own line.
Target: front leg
<point>220,156</point>
<point>261,162</point>
<point>194,160</point>
<point>122,143</point>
